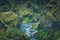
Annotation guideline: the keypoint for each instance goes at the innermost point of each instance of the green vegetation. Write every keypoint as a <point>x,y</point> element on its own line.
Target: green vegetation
<point>12,34</point>
<point>45,13</point>
<point>8,29</point>
<point>47,31</point>
<point>36,25</point>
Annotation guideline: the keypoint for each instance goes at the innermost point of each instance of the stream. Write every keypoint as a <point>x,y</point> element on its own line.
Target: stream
<point>28,30</point>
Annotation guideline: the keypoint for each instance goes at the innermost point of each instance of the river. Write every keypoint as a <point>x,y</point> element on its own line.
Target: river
<point>28,30</point>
